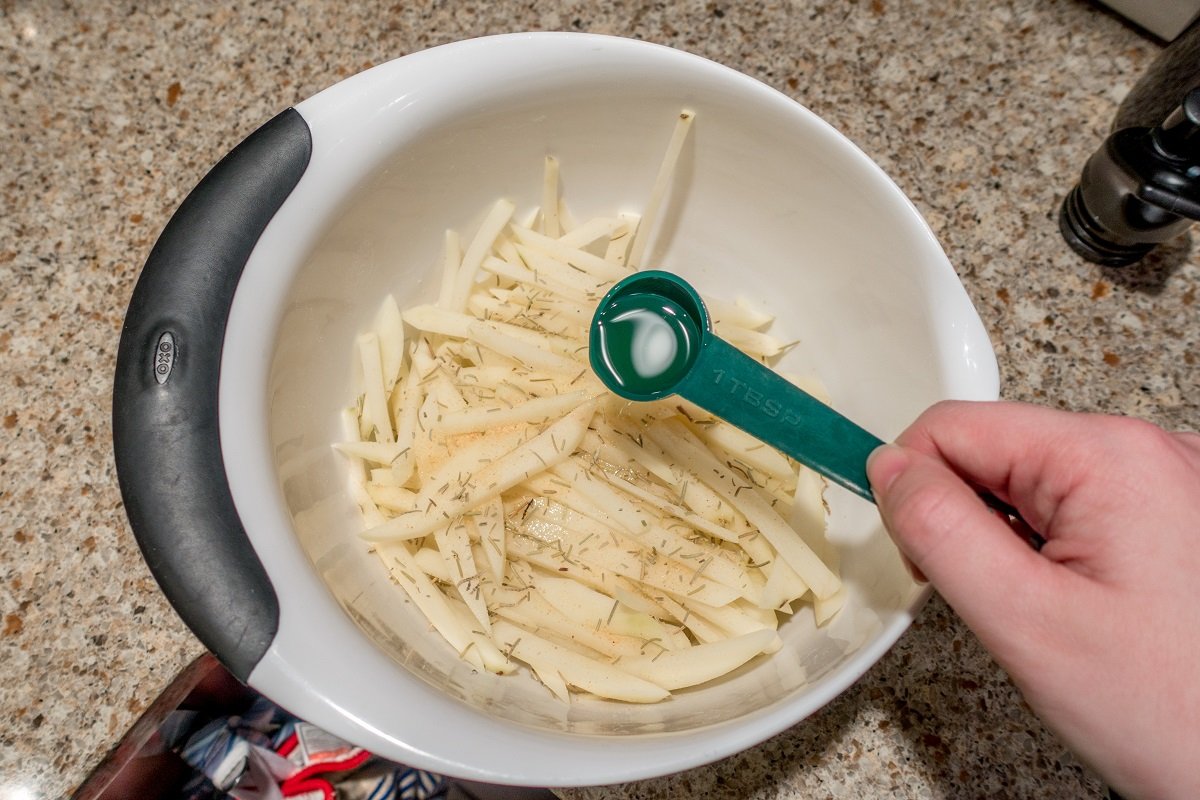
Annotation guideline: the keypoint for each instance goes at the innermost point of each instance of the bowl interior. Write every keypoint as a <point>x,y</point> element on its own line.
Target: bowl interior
<point>768,203</point>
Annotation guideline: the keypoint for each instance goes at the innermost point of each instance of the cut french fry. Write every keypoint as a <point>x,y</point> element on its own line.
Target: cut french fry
<point>790,547</point>
<point>492,309</point>
<point>455,547</point>
<point>591,231</point>
<point>676,669</point>
<point>648,530</point>
<point>693,492</point>
<point>729,618</point>
<point>783,585</point>
<point>618,246</point>
<point>432,564</point>
<point>533,280</point>
<point>532,412</point>
<point>547,251</point>
<point>436,608</point>
<point>375,410</point>
<point>390,329</point>
<point>566,273</point>
<point>585,538</point>
<point>529,609</point>
<point>432,319</point>
<point>492,225</point>
<point>576,670</point>
<point>553,445</point>
<point>597,610</point>
<point>394,498</point>
<point>702,629</point>
<point>752,343</point>
<point>489,524</point>
<point>375,452</point>
<point>526,353</point>
<point>548,675</point>
<point>661,184</point>
<point>824,608</point>
<point>739,313</point>
<point>749,450</point>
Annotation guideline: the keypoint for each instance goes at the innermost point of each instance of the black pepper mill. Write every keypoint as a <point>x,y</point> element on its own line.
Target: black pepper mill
<point>1142,187</point>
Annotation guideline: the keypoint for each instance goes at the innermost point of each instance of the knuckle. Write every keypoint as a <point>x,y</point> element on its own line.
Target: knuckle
<point>1131,433</point>
<point>924,516</point>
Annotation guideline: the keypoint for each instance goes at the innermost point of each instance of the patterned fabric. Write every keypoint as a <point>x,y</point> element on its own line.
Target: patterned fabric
<point>267,754</point>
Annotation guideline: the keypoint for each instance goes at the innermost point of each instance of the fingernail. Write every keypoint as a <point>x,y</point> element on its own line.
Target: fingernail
<point>885,464</point>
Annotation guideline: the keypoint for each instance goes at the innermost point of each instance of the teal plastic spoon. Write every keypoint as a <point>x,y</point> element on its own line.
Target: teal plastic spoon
<point>651,338</point>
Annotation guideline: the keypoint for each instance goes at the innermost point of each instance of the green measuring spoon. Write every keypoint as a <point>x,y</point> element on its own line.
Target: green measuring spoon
<point>651,338</point>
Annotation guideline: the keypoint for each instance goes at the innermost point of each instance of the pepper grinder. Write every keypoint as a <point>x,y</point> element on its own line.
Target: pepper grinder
<point>1142,186</point>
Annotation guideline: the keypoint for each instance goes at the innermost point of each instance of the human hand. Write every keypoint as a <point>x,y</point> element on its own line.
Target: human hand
<point>1100,630</point>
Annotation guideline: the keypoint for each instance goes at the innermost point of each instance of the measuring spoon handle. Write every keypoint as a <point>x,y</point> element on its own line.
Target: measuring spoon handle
<point>745,393</point>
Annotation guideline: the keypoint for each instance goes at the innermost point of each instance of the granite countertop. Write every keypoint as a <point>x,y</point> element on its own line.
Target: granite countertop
<point>982,112</point>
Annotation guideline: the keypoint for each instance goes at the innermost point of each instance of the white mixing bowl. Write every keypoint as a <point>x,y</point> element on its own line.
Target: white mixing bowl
<point>344,199</point>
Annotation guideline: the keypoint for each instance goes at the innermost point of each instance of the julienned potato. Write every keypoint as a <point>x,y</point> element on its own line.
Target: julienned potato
<point>621,549</point>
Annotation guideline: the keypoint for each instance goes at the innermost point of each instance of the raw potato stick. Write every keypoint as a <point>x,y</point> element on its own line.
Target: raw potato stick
<point>553,445</point>
<point>489,524</point>
<point>375,409</point>
<point>564,550</point>
<point>390,329</point>
<point>661,183</point>
<point>532,412</point>
<point>618,246</point>
<point>492,225</point>
<point>572,257</point>
<point>646,528</point>
<point>576,670</point>
<point>739,313</point>
<point>790,547</point>
<point>436,608</point>
<point>592,231</point>
<point>455,547</point>
<point>676,669</point>
<point>519,273</point>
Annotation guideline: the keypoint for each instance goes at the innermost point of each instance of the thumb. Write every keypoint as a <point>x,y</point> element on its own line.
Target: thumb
<point>976,561</point>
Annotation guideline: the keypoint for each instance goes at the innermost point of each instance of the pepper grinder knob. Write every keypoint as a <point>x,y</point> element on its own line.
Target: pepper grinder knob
<point>1141,188</point>
<point>1179,135</point>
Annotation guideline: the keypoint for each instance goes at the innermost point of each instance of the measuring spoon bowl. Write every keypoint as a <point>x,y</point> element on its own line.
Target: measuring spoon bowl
<point>629,352</point>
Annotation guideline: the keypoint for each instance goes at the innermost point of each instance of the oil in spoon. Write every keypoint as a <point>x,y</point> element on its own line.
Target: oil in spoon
<point>645,341</point>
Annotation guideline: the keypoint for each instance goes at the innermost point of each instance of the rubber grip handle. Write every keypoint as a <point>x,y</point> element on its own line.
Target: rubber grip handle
<point>743,392</point>
<point>165,426</point>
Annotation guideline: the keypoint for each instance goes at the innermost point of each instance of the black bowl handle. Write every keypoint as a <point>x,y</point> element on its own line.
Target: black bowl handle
<point>165,431</point>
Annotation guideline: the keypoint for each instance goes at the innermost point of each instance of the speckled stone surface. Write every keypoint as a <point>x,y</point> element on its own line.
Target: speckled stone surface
<point>110,112</point>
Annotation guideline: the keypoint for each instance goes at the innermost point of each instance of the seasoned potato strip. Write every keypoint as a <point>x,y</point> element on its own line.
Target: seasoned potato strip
<point>435,606</point>
<point>675,669</point>
<point>565,254</point>
<point>673,439</point>
<point>492,225</point>
<point>661,184</point>
<point>553,445</point>
<point>539,410</point>
<point>577,670</point>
